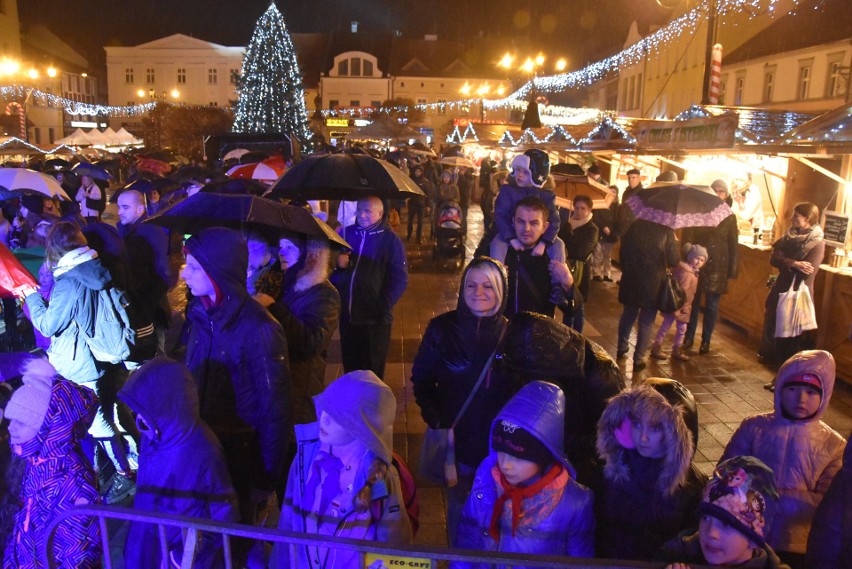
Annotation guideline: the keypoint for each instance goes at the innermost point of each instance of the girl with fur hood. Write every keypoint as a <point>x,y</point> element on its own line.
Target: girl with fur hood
<point>342,482</point>
<point>650,489</point>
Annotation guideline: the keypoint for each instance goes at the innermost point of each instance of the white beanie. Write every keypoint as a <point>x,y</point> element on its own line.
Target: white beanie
<point>29,403</point>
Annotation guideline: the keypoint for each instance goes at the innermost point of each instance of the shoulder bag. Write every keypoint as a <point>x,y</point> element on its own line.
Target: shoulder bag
<point>671,297</point>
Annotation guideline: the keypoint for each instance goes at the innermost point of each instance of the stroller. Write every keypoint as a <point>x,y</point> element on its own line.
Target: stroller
<point>449,233</point>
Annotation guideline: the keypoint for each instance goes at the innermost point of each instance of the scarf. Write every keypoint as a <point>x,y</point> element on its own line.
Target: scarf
<point>579,222</point>
<point>796,244</point>
<point>73,258</point>
<point>538,499</point>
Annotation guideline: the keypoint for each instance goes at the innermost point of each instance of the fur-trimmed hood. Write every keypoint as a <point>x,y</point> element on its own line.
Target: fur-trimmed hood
<point>675,411</point>
<point>316,265</point>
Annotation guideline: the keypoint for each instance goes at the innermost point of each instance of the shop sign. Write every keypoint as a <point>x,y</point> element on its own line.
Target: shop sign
<point>835,228</point>
<point>710,132</point>
<point>337,122</point>
<point>383,561</point>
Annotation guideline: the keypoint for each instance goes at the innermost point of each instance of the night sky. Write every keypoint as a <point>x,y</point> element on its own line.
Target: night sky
<point>582,30</point>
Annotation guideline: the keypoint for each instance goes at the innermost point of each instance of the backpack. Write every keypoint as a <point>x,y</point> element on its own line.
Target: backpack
<point>409,492</point>
<point>114,336</point>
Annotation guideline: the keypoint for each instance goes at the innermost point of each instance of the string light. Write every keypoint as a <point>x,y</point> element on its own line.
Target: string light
<point>19,141</point>
<point>604,127</point>
<point>70,106</point>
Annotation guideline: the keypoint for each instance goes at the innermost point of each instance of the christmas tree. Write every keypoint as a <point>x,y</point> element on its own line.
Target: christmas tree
<point>270,86</point>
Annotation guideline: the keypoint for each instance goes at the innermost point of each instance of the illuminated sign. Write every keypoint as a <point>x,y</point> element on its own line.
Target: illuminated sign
<point>84,124</point>
<point>336,122</point>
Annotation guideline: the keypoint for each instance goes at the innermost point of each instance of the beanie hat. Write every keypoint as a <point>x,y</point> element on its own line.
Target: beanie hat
<point>29,403</point>
<point>516,441</point>
<point>537,162</point>
<point>805,378</point>
<point>737,495</point>
<point>693,251</point>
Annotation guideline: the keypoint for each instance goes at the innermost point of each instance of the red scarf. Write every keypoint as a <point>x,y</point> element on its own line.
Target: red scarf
<point>516,495</point>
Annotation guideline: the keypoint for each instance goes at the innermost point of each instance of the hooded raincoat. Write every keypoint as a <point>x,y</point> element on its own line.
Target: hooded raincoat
<point>57,477</point>
<point>182,466</point>
<point>805,454</point>
<point>830,540</point>
<point>363,405</point>
<point>561,520</point>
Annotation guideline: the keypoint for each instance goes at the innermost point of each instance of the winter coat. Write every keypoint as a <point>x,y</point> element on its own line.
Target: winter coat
<point>309,311</point>
<point>237,354</point>
<point>643,502</point>
<point>386,521</point>
<point>579,246</point>
<point>504,209</point>
<point>687,278</point>
<point>568,530</point>
<point>647,250</point>
<point>722,254</point>
<point>785,252</point>
<point>451,356</point>
<point>57,477</point>
<point>376,277</point>
<point>530,294</point>
<point>830,540</point>
<point>686,548</point>
<point>537,347</point>
<point>625,217</point>
<point>182,469</point>
<point>148,256</point>
<point>805,454</point>
<point>72,310</point>
<point>447,193</point>
<point>606,218</point>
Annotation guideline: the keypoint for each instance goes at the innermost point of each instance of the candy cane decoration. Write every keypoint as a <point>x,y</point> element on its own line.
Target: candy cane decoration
<point>22,120</point>
<point>715,74</point>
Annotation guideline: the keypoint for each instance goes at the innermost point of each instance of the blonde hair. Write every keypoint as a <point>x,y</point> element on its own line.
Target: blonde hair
<point>495,278</point>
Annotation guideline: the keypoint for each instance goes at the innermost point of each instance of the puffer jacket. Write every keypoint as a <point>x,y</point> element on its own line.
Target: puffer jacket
<point>376,276</point>
<point>569,529</point>
<point>237,354</point>
<point>182,468</point>
<point>57,476</point>
<point>309,311</point>
<point>539,348</point>
<point>643,502</point>
<point>72,309</point>
<point>454,349</point>
<point>687,278</point>
<point>722,254</point>
<point>830,540</point>
<point>805,454</point>
<point>647,250</point>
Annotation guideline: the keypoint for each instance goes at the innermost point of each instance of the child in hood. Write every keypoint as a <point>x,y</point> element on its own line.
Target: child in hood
<point>525,498</point>
<point>650,488</point>
<point>342,482</point>
<point>804,452</point>
<point>733,522</point>
<point>182,467</point>
<point>686,274</point>
<point>48,419</point>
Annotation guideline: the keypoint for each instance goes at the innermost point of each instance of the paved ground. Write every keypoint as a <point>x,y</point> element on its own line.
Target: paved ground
<point>727,383</point>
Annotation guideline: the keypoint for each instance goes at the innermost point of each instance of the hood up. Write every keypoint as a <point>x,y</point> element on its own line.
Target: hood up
<point>162,391</point>
<point>360,402</point>
<point>223,254</point>
<point>539,409</point>
<point>817,362</point>
<point>462,309</point>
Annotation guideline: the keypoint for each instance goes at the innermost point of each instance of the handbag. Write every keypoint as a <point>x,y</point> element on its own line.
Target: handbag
<point>795,312</point>
<point>438,454</point>
<point>671,297</point>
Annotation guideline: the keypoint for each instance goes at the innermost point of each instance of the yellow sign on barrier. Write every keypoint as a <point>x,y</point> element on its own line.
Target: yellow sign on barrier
<point>382,561</point>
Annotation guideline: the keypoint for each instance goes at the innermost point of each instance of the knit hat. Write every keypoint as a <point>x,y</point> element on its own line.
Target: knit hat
<point>516,441</point>
<point>29,403</point>
<point>805,378</point>
<point>537,162</point>
<point>737,495</point>
<point>692,251</point>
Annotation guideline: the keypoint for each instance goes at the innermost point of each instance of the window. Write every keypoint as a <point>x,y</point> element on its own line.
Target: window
<point>803,87</point>
<point>333,104</point>
<point>368,68</point>
<point>37,132</point>
<point>422,100</point>
<point>723,87</point>
<point>128,75</point>
<point>354,103</point>
<point>343,67</point>
<point>631,92</point>
<point>442,107</point>
<point>402,83</point>
<point>836,82</point>
<point>375,104</point>
<point>638,100</point>
<point>355,67</point>
<point>51,135</point>
<point>769,83</point>
<point>739,87</point>
<point>212,76</point>
<point>235,76</point>
<point>214,104</point>
<point>149,75</point>
<point>181,76</point>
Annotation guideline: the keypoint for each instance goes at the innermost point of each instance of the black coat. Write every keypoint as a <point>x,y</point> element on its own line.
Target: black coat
<point>604,218</point>
<point>625,217</point>
<point>579,245</point>
<point>647,250</point>
<point>722,251</point>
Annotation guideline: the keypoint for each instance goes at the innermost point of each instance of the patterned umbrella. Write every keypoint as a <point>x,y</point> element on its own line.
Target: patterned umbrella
<point>679,205</point>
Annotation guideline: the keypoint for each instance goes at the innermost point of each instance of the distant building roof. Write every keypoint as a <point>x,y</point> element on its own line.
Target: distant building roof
<point>38,42</point>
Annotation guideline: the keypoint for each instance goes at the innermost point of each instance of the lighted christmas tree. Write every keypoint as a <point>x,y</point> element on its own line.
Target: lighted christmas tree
<point>270,86</point>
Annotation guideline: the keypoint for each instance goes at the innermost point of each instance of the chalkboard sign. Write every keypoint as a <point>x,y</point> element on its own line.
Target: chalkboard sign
<point>836,228</point>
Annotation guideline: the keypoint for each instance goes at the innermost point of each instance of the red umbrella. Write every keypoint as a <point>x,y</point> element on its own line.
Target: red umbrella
<point>154,166</point>
<point>14,278</point>
<point>269,169</point>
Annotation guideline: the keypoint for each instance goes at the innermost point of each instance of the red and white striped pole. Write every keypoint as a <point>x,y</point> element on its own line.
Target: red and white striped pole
<point>715,74</point>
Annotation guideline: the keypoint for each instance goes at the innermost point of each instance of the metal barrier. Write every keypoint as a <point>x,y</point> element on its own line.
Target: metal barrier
<point>401,556</point>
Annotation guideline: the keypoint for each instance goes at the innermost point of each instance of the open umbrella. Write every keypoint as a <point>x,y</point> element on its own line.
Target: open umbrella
<point>236,186</point>
<point>244,212</point>
<point>253,157</point>
<point>161,155</point>
<point>257,171</point>
<point>163,186</point>
<point>456,161</point>
<point>235,154</point>
<point>91,170</point>
<point>14,278</point>
<point>344,177</point>
<point>679,205</point>
<point>25,179</point>
<point>154,166</point>
<point>192,172</point>
<point>56,164</point>
<point>420,148</point>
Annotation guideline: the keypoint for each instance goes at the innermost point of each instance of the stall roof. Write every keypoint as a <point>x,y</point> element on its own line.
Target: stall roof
<point>756,126</point>
<point>835,126</point>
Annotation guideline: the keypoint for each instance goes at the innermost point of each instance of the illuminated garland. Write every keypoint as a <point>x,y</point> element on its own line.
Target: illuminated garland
<point>608,123</point>
<point>16,140</point>
<point>457,137</point>
<point>557,134</point>
<point>70,106</point>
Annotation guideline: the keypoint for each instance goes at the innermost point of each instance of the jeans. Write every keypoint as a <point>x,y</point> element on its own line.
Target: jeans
<point>415,210</point>
<point>577,319</point>
<point>711,314</point>
<point>646,318</point>
<point>680,330</point>
<point>365,347</point>
<point>602,260</point>
<point>457,498</point>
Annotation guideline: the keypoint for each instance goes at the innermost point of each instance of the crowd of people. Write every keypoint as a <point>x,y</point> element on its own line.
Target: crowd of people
<point>554,451</point>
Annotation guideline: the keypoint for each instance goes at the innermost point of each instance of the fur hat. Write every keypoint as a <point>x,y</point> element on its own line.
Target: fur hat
<point>691,251</point>
<point>28,404</point>
<point>738,495</point>
<point>537,162</point>
<point>513,439</point>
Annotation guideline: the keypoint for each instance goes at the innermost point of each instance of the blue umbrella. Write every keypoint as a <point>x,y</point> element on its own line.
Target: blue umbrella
<point>91,170</point>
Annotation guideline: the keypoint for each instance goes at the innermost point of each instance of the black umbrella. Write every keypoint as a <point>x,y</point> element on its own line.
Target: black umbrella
<point>163,186</point>
<point>56,164</point>
<point>91,170</point>
<point>567,169</point>
<point>344,177</point>
<point>244,212</point>
<point>679,205</point>
<point>193,172</point>
<point>253,157</point>
<point>161,155</point>
<point>236,187</point>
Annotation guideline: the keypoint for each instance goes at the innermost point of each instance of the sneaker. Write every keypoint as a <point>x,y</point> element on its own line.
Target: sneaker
<point>121,489</point>
<point>704,349</point>
<point>607,279</point>
<point>597,278</point>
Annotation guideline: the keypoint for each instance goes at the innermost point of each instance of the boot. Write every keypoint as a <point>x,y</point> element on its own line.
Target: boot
<point>657,351</point>
<point>679,355</point>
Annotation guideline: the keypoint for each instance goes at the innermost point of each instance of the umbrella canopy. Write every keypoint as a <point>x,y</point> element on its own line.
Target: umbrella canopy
<point>420,148</point>
<point>569,187</point>
<point>154,166</point>
<point>144,186</point>
<point>456,161</point>
<point>269,169</point>
<point>236,186</point>
<point>198,173</point>
<point>161,155</point>
<point>91,170</point>
<point>679,205</point>
<point>253,157</point>
<point>56,164</point>
<point>244,212</point>
<point>235,154</point>
<point>344,177</point>
<point>25,179</point>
